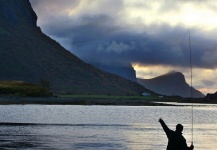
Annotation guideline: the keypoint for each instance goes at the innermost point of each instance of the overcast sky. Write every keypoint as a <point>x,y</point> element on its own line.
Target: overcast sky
<point>152,35</point>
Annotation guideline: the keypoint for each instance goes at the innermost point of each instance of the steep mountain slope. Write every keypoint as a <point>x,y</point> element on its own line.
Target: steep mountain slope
<point>29,55</point>
<point>125,71</point>
<point>170,84</point>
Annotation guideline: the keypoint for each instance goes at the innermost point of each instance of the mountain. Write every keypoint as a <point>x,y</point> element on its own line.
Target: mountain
<point>170,84</point>
<point>211,96</point>
<point>26,54</point>
<point>125,71</point>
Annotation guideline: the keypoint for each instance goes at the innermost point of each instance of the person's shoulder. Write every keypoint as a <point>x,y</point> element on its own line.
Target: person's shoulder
<point>174,132</point>
<point>182,138</point>
<point>178,135</point>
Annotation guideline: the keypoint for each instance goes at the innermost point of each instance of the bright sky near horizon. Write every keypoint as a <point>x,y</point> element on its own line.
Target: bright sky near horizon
<point>151,35</point>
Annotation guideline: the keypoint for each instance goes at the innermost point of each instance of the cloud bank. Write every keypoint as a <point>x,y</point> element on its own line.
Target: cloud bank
<point>148,33</point>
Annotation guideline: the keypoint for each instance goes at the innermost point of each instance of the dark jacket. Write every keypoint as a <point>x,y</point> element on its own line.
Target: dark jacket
<point>175,139</point>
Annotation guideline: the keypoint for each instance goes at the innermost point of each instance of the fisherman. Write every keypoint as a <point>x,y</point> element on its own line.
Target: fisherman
<point>175,139</point>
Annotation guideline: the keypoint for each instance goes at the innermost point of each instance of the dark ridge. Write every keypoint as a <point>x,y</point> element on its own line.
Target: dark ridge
<point>26,54</point>
<point>170,84</point>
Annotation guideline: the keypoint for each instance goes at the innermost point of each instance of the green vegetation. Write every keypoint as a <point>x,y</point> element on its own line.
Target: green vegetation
<point>20,88</point>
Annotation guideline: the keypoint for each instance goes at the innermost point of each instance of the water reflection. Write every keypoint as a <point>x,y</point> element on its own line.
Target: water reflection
<point>18,137</point>
<point>101,127</point>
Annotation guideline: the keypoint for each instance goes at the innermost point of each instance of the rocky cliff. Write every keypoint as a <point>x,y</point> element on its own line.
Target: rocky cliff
<point>126,71</point>
<point>29,55</point>
<point>170,84</point>
<point>16,13</point>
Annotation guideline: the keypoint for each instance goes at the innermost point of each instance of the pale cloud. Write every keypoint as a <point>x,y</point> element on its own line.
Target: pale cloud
<point>207,90</point>
<point>150,33</point>
<point>51,11</point>
<point>190,14</point>
<point>50,8</point>
<point>133,13</point>
<point>205,80</point>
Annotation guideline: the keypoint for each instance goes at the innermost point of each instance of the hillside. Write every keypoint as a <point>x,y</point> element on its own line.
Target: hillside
<point>19,88</point>
<point>29,55</point>
<point>170,84</point>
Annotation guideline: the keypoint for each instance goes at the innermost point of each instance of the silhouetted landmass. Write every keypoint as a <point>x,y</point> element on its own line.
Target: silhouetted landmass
<point>125,71</point>
<point>211,96</point>
<point>26,54</point>
<point>170,84</point>
<point>23,89</point>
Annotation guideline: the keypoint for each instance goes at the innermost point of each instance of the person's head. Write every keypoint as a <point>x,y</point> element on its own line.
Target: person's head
<point>179,128</point>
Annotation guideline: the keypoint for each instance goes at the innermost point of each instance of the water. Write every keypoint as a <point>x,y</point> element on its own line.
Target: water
<point>57,127</point>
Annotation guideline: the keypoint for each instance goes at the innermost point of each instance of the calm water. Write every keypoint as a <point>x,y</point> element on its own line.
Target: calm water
<point>102,127</point>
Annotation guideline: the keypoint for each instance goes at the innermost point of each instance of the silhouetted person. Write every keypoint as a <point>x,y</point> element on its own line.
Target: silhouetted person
<point>175,139</point>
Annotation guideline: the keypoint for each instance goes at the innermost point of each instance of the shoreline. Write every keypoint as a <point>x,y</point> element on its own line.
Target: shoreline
<point>74,101</point>
<point>11,100</point>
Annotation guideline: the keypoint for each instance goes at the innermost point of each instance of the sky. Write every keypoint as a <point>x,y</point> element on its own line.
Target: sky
<point>152,35</point>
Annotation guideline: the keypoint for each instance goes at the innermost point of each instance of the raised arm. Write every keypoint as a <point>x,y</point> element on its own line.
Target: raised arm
<point>165,127</point>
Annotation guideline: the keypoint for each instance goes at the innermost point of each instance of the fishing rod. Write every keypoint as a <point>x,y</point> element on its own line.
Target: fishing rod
<point>191,90</point>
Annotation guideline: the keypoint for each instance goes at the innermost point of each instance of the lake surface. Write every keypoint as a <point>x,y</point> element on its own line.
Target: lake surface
<point>64,127</point>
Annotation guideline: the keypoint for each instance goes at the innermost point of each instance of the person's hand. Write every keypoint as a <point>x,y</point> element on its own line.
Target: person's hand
<point>192,147</point>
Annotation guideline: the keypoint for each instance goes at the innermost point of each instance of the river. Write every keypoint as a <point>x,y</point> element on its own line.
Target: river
<point>68,127</point>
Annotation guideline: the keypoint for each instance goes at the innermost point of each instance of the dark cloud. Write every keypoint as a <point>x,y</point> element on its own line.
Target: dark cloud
<point>97,36</point>
<point>209,83</point>
<point>110,44</point>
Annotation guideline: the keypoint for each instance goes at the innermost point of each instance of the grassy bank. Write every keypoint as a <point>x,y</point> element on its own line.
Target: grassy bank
<point>17,92</point>
<point>22,89</point>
